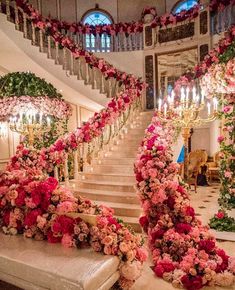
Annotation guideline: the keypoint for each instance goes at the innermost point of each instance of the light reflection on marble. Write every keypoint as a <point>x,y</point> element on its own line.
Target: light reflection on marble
<point>148,281</point>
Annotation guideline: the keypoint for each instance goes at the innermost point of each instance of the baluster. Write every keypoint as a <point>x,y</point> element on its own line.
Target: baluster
<point>57,53</point>
<point>65,59</point>
<point>95,83</point>
<point>49,47</point>
<point>79,73</point>
<point>8,12</point>
<point>33,34</point>
<point>17,23</point>
<point>66,171</point>
<point>102,89</point>
<point>0,6</point>
<point>56,173</point>
<point>90,41</point>
<point>25,30</point>
<point>124,42</point>
<point>75,158</point>
<point>111,43</point>
<point>105,42</point>
<point>41,48</point>
<point>110,88</point>
<point>115,42</point>
<point>87,76</point>
<point>71,64</point>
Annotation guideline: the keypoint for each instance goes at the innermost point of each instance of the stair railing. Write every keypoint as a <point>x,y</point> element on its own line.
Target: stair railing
<point>73,160</point>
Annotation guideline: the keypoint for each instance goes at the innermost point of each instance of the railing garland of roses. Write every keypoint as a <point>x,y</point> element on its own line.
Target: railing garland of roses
<point>184,252</point>
<point>76,61</point>
<point>102,129</point>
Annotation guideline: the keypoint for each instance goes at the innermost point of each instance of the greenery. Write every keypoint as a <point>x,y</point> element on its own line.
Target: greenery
<point>26,84</point>
<point>228,54</point>
<point>226,223</point>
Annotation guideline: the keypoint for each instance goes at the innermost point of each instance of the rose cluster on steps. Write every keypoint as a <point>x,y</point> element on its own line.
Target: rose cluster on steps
<point>34,205</point>
<point>184,251</point>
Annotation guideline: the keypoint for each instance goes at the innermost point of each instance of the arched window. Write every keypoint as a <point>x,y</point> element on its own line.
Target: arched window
<point>97,17</point>
<point>184,5</point>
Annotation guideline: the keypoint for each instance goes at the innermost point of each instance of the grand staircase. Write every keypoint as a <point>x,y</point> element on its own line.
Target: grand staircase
<point>110,180</point>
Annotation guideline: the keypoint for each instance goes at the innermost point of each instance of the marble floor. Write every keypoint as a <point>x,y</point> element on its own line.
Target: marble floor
<point>205,205</point>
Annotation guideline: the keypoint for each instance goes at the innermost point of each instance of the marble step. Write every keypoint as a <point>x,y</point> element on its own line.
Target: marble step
<point>108,196</point>
<point>103,185</point>
<point>133,222</point>
<point>122,154</point>
<point>115,168</point>
<point>109,177</point>
<point>121,209</point>
<point>114,161</point>
<point>124,148</point>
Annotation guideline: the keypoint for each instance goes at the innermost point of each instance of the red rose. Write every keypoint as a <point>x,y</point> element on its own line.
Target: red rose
<point>20,200</point>
<point>163,267</point>
<point>31,217</point>
<point>139,177</point>
<point>190,211</point>
<point>192,282</point>
<point>207,245</point>
<point>143,220</point>
<point>183,228</point>
<point>52,239</point>
<point>159,270</point>
<point>63,224</point>
<point>6,218</point>
<point>158,234</point>
<point>220,215</point>
<point>113,221</point>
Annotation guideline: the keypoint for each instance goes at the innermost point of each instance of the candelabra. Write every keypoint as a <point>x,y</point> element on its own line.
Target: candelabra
<point>184,112</point>
<point>30,124</point>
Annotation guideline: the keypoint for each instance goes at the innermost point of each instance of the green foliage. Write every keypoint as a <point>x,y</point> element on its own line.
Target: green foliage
<point>226,224</point>
<point>26,84</point>
<point>228,54</point>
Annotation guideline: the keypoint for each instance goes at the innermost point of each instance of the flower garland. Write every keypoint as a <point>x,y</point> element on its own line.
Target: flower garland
<point>221,220</point>
<point>184,251</point>
<point>48,27</point>
<point>35,206</point>
<point>57,108</point>
<point>220,79</point>
<point>129,28</point>
<point>222,53</point>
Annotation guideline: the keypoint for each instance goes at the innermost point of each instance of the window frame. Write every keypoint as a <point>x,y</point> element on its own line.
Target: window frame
<point>105,38</point>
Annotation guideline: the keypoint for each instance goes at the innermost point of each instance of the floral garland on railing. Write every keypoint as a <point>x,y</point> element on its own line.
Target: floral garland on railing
<point>35,206</point>
<point>46,25</point>
<point>221,220</point>
<point>220,79</point>
<point>221,53</point>
<point>184,252</point>
<point>137,26</point>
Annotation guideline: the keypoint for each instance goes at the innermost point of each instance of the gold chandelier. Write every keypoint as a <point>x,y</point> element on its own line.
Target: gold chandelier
<point>30,123</point>
<point>185,113</point>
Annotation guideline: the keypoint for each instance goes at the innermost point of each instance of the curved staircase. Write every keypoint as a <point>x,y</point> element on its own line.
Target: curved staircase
<point>110,180</point>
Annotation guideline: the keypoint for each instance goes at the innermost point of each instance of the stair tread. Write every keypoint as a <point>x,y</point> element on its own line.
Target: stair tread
<point>129,219</point>
<point>106,182</point>
<point>107,192</point>
<point>119,205</point>
<point>108,174</point>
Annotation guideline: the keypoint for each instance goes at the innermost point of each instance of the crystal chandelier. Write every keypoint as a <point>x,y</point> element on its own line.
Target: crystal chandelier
<point>3,130</point>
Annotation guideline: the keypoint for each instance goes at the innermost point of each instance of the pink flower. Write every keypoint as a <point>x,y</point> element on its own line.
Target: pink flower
<point>220,139</point>
<point>67,241</point>
<point>142,254</point>
<point>220,215</point>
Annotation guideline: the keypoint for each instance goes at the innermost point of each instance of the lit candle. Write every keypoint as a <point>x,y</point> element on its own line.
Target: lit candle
<point>165,109</point>
<point>159,104</point>
<point>48,121</point>
<point>194,94</point>
<point>203,97</point>
<point>209,108</point>
<point>215,102</point>
<point>187,96</point>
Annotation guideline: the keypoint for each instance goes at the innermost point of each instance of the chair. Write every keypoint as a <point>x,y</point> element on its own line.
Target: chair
<point>196,159</point>
<point>213,167</point>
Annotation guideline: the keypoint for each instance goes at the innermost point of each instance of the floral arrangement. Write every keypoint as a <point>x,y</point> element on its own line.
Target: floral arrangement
<point>220,79</point>
<point>221,220</point>
<point>222,53</point>
<point>218,5</point>
<point>184,252</point>
<point>149,10</point>
<point>35,206</point>
<point>57,108</point>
